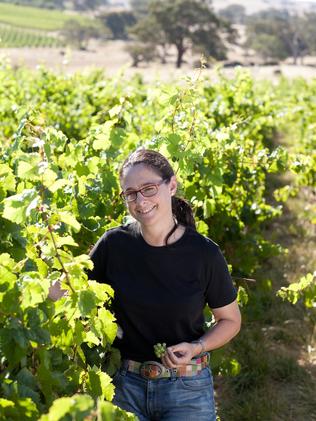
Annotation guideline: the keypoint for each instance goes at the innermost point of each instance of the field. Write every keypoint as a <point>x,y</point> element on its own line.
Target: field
<point>34,18</point>
<point>11,37</point>
<point>113,58</point>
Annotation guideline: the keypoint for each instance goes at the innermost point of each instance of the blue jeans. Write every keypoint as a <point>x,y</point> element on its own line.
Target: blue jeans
<point>167,399</point>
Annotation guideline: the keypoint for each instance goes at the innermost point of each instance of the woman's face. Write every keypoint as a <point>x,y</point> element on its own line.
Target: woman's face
<point>149,210</point>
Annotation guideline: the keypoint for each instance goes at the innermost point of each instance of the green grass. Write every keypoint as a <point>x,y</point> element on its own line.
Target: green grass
<point>35,18</point>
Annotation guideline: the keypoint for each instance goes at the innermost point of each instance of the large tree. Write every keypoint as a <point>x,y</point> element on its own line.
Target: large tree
<point>117,22</point>
<point>185,24</point>
<point>309,25</point>
<point>277,34</point>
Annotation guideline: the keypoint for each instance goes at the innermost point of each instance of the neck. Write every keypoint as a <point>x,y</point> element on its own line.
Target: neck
<point>156,235</point>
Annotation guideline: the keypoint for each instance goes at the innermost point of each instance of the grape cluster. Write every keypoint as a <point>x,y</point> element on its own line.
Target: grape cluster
<point>160,350</point>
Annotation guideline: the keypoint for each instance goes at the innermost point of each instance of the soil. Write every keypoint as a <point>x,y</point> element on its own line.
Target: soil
<point>112,57</point>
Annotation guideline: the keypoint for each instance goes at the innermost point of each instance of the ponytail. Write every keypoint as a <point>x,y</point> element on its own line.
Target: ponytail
<point>182,211</point>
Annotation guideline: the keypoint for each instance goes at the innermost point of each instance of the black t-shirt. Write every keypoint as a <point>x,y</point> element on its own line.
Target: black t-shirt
<point>160,292</point>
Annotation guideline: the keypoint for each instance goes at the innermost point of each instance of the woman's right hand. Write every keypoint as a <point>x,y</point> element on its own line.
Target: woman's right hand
<point>55,292</point>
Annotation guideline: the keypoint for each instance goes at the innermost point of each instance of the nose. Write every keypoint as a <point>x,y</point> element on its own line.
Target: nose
<point>139,197</point>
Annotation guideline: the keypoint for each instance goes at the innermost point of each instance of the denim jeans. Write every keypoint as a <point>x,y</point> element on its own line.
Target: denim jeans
<point>189,398</point>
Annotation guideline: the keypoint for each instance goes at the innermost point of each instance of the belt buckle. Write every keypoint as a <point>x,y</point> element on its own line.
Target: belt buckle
<point>151,370</point>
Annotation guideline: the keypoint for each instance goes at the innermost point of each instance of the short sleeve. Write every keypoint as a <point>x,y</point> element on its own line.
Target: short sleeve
<point>220,290</point>
<point>99,257</point>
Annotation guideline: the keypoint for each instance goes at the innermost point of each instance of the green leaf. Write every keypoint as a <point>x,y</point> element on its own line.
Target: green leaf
<point>102,135</point>
<point>109,412</point>
<point>99,385</point>
<point>102,291</point>
<point>242,296</point>
<point>78,406</point>
<point>87,302</point>
<point>115,110</point>
<point>49,177</point>
<point>28,171</point>
<point>34,290</point>
<point>5,403</point>
<point>105,325</point>
<point>58,184</point>
<point>18,208</point>
<point>70,220</point>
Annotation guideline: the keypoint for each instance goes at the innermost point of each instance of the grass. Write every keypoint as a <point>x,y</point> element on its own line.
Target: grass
<point>35,18</point>
<point>275,347</point>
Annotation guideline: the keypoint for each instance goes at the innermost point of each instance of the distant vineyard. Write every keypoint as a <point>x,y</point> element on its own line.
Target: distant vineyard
<point>14,38</point>
<point>34,18</point>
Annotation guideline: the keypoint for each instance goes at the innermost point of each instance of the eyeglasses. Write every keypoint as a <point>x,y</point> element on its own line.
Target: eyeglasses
<point>147,191</point>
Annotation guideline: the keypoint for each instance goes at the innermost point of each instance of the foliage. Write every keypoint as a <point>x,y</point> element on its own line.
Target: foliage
<point>151,37</point>
<point>141,53</point>
<point>299,105</point>
<point>63,140</point>
<point>185,24</point>
<point>117,22</point>
<point>309,22</point>
<point>278,34</point>
<point>78,35</point>
<point>304,289</point>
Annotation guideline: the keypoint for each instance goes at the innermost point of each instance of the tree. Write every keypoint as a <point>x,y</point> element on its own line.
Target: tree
<point>117,22</point>
<point>141,53</point>
<point>149,32</point>
<point>187,24</point>
<point>77,34</point>
<point>309,25</point>
<point>234,13</point>
<point>277,34</point>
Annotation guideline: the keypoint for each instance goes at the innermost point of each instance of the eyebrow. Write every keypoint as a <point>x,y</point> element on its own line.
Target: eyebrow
<point>148,183</point>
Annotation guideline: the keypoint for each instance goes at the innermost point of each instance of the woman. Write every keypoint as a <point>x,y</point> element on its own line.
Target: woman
<point>163,273</point>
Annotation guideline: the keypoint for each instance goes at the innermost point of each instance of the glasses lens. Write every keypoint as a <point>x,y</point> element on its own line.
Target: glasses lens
<point>149,191</point>
<point>130,197</point>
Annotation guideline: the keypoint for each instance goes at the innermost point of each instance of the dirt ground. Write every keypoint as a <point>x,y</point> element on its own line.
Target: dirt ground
<point>112,57</point>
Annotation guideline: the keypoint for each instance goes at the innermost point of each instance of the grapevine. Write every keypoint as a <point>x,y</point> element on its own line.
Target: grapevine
<point>63,140</point>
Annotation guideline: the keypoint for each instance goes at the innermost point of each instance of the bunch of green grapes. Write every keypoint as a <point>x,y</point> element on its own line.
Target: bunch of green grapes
<point>160,350</point>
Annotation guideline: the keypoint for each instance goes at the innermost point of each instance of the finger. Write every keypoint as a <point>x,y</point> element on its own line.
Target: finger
<point>172,357</point>
<point>167,362</point>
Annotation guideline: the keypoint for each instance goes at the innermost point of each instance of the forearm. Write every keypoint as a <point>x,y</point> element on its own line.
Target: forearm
<point>228,321</point>
<point>223,331</point>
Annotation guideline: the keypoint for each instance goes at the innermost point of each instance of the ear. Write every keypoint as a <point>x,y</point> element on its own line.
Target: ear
<point>173,185</point>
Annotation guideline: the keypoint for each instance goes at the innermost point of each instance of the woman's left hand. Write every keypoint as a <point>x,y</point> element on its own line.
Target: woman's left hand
<point>180,354</point>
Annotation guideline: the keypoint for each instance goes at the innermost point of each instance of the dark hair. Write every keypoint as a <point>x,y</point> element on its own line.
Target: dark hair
<point>181,208</point>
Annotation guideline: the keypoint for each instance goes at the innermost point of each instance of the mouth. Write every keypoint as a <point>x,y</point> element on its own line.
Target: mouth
<point>147,211</point>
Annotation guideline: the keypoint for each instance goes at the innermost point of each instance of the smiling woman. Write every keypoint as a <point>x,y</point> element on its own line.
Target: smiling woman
<point>163,273</point>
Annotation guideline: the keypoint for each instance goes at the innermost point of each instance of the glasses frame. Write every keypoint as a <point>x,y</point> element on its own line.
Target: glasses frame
<point>123,193</point>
